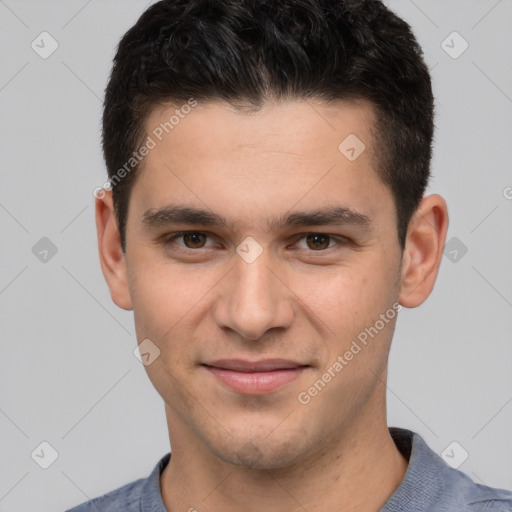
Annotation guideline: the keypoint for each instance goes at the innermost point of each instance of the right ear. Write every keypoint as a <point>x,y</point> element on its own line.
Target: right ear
<point>112,257</point>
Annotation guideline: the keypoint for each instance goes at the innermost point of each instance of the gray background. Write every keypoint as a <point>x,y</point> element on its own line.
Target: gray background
<point>67,372</point>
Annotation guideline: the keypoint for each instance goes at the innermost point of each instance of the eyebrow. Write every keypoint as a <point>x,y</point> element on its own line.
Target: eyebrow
<point>182,214</point>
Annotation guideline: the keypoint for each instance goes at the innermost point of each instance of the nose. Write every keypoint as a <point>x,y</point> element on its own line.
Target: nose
<point>254,298</point>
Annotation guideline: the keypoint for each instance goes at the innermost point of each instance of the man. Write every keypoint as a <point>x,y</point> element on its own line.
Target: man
<point>266,223</point>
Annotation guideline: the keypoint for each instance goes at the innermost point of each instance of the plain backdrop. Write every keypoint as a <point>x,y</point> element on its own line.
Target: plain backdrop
<point>68,376</point>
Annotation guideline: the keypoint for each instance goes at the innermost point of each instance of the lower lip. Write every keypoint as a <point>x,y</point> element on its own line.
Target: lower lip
<point>256,382</point>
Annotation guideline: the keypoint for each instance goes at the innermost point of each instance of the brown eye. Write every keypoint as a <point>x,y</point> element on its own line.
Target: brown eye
<point>317,241</point>
<point>194,240</point>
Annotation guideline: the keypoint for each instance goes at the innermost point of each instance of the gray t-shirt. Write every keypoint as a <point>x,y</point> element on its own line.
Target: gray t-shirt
<point>428,485</point>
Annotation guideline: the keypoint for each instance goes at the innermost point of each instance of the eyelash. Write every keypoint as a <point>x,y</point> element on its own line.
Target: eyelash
<point>170,239</point>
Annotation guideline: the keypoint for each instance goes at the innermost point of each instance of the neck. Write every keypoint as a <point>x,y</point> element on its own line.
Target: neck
<point>360,469</point>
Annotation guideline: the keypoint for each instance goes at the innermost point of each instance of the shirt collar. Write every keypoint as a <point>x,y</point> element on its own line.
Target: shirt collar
<point>421,485</point>
<point>151,495</point>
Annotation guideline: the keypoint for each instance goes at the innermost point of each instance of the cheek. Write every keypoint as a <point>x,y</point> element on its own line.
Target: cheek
<point>163,296</point>
<point>152,307</point>
<point>169,307</point>
<point>164,301</point>
<point>349,299</point>
<point>345,293</point>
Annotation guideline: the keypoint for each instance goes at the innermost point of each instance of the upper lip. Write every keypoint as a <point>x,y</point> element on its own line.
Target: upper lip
<point>264,365</point>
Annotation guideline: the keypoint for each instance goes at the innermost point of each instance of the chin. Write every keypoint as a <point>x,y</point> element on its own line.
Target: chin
<point>263,452</point>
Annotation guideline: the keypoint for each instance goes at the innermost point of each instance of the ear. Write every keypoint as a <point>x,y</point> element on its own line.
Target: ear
<point>423,251</point>
<point>112,258</point>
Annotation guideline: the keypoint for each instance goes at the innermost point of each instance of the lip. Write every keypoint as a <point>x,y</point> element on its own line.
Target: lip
<point>255,377</point>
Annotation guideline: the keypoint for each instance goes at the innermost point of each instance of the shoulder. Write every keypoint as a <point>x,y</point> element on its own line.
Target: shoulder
<point>126,498</point>
<point>431,484</point>
<point>142,494</point>
<point>475,497</point>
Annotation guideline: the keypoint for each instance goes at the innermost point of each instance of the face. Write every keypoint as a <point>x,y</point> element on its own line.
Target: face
<point>256,308</point>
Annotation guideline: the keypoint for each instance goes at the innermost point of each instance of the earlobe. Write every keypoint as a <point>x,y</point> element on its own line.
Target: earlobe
<point>423,251</point>
<point>112,258</point>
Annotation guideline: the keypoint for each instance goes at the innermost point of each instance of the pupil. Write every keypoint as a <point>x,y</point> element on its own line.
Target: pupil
<point>316,240</point>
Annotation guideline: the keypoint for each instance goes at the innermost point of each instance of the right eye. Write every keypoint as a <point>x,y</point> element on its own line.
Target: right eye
<point>192,240</point>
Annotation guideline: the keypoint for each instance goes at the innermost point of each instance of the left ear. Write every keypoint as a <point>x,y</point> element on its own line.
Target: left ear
<point>423,251</point>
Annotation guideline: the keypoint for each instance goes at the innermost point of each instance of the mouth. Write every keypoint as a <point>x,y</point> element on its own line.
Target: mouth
<point>255,377</point>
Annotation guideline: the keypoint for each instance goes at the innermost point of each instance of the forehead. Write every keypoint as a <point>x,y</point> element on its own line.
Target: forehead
<point>301,127</point>
<point>264,162</point>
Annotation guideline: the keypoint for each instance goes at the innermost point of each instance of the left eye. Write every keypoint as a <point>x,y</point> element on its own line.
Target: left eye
<point>317,241</point>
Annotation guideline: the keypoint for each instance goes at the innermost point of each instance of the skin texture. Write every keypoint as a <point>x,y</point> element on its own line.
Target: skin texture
<point>231,450</point>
